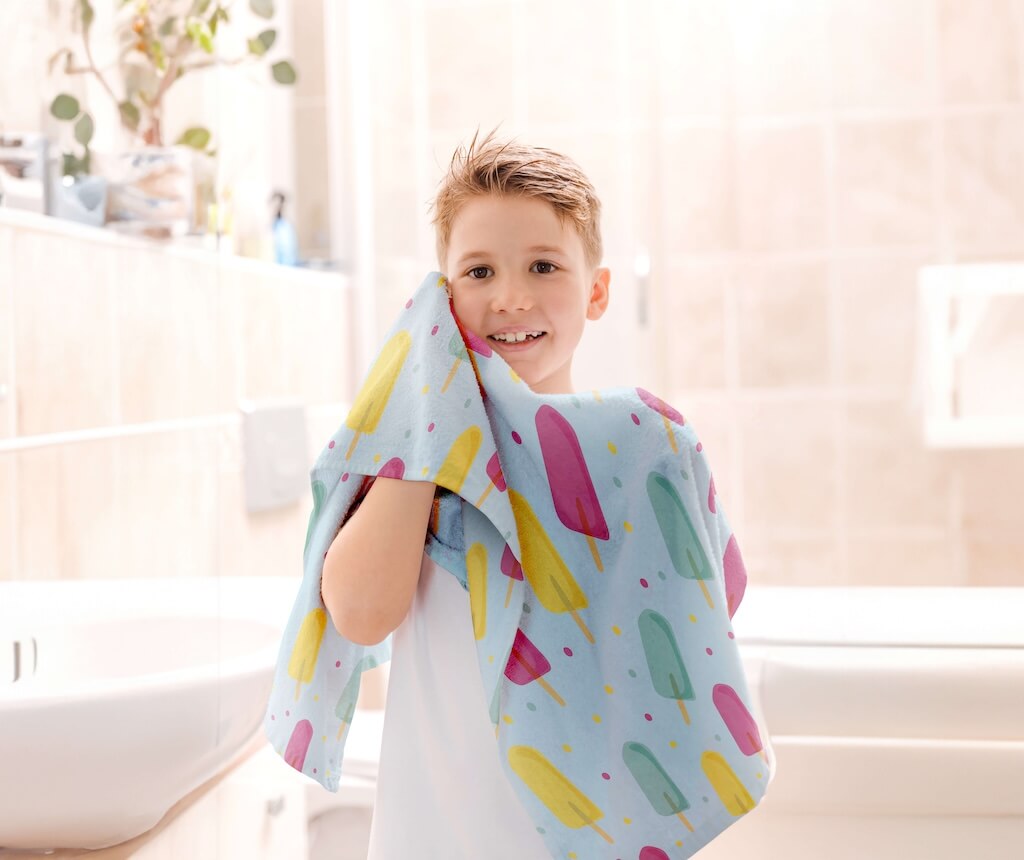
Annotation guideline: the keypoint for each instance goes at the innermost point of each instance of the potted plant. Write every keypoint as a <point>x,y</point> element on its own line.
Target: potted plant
<point>159,42</point>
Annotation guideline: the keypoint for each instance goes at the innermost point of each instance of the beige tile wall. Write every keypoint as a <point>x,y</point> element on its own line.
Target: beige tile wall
<point>125,365</point>
<point>790,166</point>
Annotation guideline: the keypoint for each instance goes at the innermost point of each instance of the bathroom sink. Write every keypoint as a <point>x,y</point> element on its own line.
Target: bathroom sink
<point>130,694</point>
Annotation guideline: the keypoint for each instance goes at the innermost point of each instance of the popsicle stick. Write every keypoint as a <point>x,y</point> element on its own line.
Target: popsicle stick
<point>583,627</point>
<point>352,447</point>
<point>687,823</point>
<point>682,710</point>
<point>707,595</point>
<point>594,553</point>
<point>760,752</point>
<point>341,731</point>
<point>551,692</point>
<point>587,819</point>
<point>582,511</point>
<point>487,492</point>
<point>671,435</point>
<point>602,834</point>
<point>508,596</point>
<point>451,376</point>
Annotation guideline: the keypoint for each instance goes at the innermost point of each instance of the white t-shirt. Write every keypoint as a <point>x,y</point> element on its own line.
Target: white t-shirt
<point>441,790</point>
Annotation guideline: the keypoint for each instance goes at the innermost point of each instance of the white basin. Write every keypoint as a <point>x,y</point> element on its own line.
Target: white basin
<point>142,691</point>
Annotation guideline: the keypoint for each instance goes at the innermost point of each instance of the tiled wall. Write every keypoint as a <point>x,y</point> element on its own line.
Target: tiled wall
<point>789,165</point>
<point>124,365</point>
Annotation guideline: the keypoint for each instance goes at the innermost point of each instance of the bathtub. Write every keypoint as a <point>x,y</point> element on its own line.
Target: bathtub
<point>897,721</point>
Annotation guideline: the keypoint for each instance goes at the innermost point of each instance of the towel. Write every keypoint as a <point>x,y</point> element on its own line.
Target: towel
<point>602,577</point>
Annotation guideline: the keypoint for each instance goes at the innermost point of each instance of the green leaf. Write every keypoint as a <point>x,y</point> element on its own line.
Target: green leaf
<point>159,55</point>
<point>261,44</point>
<point>199,32</point>
<point>84,129</point>
<point>196,137</point>
<point>199,7</point>
<point>263,8</point>
<point>167,27</point>
<point>65,107</point>
<point>87,13</point>
<point>129,115</point>
<point>283,72</point>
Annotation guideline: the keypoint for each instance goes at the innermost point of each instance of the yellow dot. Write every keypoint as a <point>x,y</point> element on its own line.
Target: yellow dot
<point>442,281</point>
<point>514,375</point>
<point>376,458</point>
<point>679,843</point>
<point>507,718</point>
<point>315,698</point>
<point>612,448</point>
<point>327,773</point>
<point>597,718</point>
<point>616,630</point>
<point>572,855</point>
<point>490,658</point>
<point>628,525</point>
<point>757,775</point>
<point>425,469</point>
<point>673,744</point>
<point>566,747</point>
<point>693,618</point>
<point>627,820</point>
<point>608,689</point>
<point>426,388</point>
<point>324,738</point>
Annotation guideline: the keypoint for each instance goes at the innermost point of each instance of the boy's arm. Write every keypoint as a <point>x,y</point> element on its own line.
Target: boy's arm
<point>373,565</point>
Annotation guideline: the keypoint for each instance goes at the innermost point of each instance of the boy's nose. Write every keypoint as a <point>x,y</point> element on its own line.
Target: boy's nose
<point>511,294</point>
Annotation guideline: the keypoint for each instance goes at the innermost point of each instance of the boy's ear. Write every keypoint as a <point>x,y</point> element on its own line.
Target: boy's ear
<point>598,303</point>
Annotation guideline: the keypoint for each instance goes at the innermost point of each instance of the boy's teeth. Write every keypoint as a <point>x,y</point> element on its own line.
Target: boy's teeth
<point>517,337</point>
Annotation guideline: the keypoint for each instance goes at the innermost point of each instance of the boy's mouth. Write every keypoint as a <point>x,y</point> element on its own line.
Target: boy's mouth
<point>516,346</point>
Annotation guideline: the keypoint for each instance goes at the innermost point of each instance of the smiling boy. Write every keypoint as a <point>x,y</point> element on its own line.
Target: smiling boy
<point>518,236</point>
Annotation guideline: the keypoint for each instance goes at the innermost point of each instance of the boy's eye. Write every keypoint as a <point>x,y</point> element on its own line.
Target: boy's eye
<point>550,267</point>
<point>473,273</point>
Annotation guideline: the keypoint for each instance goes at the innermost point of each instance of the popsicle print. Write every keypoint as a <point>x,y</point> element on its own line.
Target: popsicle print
<point>298,744</point>
<point>497,479</point>
<point>733,794</point>
<point>376,391</point>
<point>319,491</point>
<point>668,672</point>
<point>565,801</point>
<point>307,648</point>
<point>346,706</point>
<point>572,489</point>
<point>738,720</point>
<point>544,568</point>
<point>511,567</point>
<point>457,348</point>
<point>476,579</point>
<point>393,468</point>
<point>460,458</point>
<point>735,574</point>
<point>659,789</point>
<point>677,531</point>
<point>650,852</point>
<point>666,412</point>
<point>526,663</point>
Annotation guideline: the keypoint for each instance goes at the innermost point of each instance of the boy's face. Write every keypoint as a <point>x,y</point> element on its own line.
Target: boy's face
<point>512,264</point>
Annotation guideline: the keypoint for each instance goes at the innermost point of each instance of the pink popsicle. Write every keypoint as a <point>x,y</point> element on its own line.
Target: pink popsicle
<point>572,489</point>
<point>298,744</point>
<point>735,575</point>
<point>738,720</point>
<point>649,852</point>
<point>511,567</point>
<point>526,664</point>
<point>497,478</point>
<point>667,414</point>
<point>393,468</point>
<point>711,495</point>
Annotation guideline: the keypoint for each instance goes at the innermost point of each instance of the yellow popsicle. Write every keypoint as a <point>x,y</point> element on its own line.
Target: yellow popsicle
<point>566,802</point>
<point>460,458</point>
<point>307,648</point>
<point>476,575</point>
<point>734,796</point>
<point>373,396</point>
<point>548,575</point>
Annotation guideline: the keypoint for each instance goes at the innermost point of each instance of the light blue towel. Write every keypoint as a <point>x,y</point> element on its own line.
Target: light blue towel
<point>602,576</point>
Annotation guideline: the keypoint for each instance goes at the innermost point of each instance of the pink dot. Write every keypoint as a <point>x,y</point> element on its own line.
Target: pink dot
<point>408,304</point>
<point>708,650</point>
<point>434,330</point>
<point>430,427</point>
<point>700,447</point>
<point>635,417</point>
<point>568,652</point>
<point>344,477</point>
<point>331,444</point>
<point>337,664</point>
<point>643,582</point>
<point>648,717</point>
<point>605,776</point>
<point>732,635</point>
<point>287,713</point>
<point>273,717</point>
<point>517,438</point>
<point>314,770</point>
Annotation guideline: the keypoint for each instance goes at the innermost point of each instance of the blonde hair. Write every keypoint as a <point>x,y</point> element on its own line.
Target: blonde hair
<point>508,168</point>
